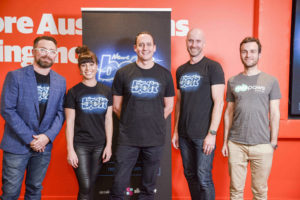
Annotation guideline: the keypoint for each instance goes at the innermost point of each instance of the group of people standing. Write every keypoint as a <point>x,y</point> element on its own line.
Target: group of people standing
<point>33,104</point>
<point>251,119</point>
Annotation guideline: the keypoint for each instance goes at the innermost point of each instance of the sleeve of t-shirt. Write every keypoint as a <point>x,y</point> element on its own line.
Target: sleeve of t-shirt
<point>109,97</point>
<point>275,91</point>
<point>117,86</point>
<point>70,101</point>
<point>229,95</point>
<point>216,74</point>
<point>169,92</point>
<point>178,74</point>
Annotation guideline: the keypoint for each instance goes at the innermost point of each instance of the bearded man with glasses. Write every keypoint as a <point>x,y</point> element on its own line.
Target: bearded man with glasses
<point>32,107</point>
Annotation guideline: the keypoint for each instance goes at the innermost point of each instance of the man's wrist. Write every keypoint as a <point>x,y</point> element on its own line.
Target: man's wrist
<point>108,144</point>
<point>213,132</point>
<point>275,146</point>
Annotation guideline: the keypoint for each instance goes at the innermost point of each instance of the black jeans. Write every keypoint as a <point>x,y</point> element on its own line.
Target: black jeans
<point>197,168</point>
<point>89,165</point>
<point>126,159</point>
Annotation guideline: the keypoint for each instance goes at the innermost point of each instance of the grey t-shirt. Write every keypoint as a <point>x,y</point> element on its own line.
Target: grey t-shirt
<point>252,95</point>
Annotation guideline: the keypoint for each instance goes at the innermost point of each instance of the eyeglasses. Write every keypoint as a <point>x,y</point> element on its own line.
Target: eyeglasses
<point>44,51</point>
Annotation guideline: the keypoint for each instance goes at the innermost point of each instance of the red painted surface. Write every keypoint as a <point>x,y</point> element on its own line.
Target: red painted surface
<point>225,23</point>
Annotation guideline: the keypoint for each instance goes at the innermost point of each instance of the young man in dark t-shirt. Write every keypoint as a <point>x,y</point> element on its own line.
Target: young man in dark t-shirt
<point>142,99</point>
<point>200,89</point>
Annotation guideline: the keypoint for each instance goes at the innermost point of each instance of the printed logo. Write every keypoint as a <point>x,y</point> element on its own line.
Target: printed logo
<point>190,81</point>
<point>145,88</point>
<point>110,63</point>
<point>43,93</point>
<point>94,104</point>
<point>129,191</point>
<point>245,88</point>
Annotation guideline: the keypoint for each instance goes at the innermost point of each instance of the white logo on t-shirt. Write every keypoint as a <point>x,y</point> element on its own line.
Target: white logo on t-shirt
<point>43,93</point>
<point>144,87</point>
<point>190,81</point>
<point>95,104</point>
<point>245,88</point>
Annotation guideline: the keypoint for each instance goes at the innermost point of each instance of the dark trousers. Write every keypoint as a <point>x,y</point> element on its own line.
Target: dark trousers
<point>13,168</point>
<point>89,165</point>
<point>197,168</point>
<point>126,158</point>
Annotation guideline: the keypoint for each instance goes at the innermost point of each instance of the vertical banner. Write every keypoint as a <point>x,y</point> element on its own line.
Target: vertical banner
<point>295,67</point>
<point>110,33</point>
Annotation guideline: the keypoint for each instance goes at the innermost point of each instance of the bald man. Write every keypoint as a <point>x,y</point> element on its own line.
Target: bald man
<point>198,111</point>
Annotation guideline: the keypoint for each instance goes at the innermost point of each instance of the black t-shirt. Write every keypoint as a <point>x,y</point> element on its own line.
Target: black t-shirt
<point>90,104</point>
<point>142,120</point>
<point>194,82</point>
<point>43,86</point>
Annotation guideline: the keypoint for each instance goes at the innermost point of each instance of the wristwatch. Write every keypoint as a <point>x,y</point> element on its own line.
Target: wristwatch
<point>212,132</point>
<point>274,146</point>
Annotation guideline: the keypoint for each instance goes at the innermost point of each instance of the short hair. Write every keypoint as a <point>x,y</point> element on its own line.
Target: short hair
<point>44,37</point>
<point>143,32</point>
<point>85,55</point>
<point>251,39</point>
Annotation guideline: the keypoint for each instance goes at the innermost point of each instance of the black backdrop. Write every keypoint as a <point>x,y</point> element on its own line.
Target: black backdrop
<point>110,33</point>
<point>295,62</point>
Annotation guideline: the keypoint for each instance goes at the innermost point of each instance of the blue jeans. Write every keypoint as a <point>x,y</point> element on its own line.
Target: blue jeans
<point>13,169</point>
<point>197,168</point>
<point>126,157</point>
<point>89,165</point>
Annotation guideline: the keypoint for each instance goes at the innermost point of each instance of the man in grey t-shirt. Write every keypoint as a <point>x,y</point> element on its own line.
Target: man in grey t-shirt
<point>251,123</point>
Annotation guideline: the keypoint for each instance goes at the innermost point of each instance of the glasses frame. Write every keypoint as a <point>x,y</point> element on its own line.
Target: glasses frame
<point>44,51</point>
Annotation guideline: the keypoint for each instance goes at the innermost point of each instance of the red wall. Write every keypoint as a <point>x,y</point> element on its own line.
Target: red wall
<point>225,23</point>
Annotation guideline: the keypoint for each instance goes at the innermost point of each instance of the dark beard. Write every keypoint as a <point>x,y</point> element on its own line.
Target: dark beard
<point>44,64</point>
